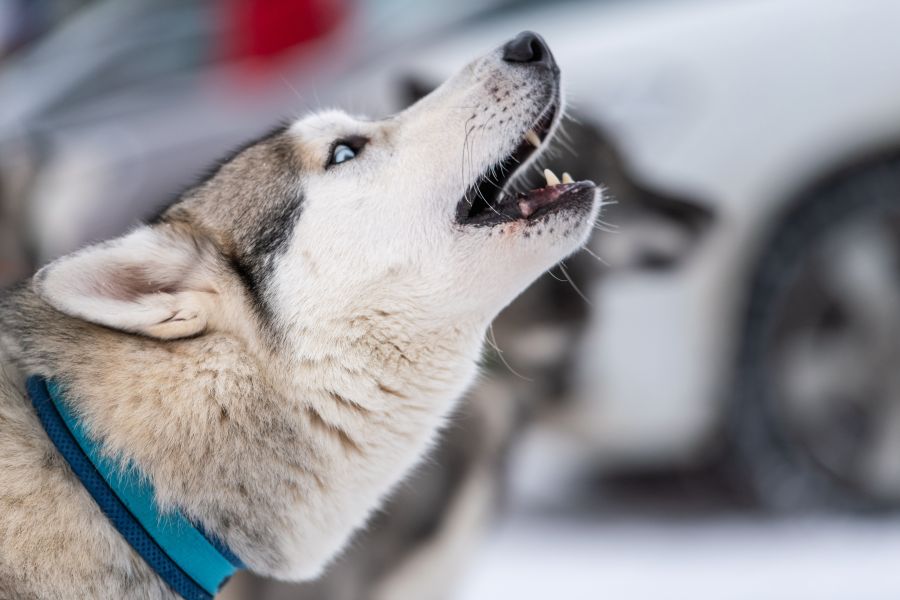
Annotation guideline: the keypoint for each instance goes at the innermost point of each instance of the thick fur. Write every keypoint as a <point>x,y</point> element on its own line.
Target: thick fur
<point>280,346</point>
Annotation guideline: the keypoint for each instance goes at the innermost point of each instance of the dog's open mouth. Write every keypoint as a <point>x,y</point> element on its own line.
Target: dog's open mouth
<point>491,200</point>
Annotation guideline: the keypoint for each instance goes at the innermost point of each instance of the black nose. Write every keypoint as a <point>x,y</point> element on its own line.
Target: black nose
<point>528,47</point>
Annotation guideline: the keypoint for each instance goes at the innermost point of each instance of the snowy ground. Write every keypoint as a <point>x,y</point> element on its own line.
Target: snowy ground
<point>715,558</point>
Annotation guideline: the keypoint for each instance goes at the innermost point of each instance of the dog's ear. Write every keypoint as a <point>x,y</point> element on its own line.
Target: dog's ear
<point>413,88</point>
<point>155,281</point>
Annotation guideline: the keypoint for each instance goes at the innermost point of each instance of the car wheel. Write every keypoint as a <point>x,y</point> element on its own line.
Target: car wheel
<point>816,416</point>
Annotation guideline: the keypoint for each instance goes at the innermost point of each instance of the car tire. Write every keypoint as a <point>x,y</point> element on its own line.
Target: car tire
<point>815,417</point>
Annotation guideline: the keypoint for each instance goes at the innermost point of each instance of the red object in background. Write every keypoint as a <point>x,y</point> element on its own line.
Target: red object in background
<point>266,29</point>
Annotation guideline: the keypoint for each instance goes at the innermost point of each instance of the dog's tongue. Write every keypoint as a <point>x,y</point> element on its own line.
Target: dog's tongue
<point>536,199</point>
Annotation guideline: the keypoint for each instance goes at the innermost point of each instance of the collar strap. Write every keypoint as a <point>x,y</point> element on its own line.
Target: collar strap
<point>192,563</point>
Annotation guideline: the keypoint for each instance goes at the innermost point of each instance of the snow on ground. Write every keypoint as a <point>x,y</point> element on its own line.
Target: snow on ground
<point>716,558</point>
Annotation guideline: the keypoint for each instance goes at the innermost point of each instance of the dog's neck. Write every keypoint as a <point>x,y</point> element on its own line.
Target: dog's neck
<point>281,450</point>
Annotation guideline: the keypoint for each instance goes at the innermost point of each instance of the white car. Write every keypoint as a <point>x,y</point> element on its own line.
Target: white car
<point>776,342</point>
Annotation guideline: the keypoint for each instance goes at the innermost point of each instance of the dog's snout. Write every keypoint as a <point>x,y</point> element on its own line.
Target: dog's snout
<point>528,47</point>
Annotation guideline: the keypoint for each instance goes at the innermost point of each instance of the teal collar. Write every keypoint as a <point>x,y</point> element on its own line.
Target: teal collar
<point>192,563</point>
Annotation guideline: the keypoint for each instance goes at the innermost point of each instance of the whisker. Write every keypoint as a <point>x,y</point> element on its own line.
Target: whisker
<point>595,255</point>
<point>493,343</point>
<point>567,145</point>
<point>601,225</point>
<point>559,279</point>
<point>294,90</point>
<point>570,117</point>
<point>574,287</point>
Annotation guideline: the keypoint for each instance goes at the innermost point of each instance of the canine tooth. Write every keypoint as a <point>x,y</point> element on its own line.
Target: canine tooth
<point>533,138</point>
<point>566,178</point>
<point>551,178</point>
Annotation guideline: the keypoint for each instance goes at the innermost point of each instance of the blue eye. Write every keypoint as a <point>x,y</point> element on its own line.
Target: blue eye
<point>342,153</point>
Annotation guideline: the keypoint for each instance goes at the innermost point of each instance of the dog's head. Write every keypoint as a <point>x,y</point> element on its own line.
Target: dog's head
<point>333,213</point>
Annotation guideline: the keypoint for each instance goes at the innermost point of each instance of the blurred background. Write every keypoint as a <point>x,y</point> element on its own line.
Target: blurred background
<point>706,405</point>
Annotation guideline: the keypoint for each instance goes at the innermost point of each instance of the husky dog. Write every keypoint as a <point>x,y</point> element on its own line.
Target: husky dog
<point>280,346</point>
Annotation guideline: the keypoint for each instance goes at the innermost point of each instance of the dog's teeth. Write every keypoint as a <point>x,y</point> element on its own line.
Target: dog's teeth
<point>533,138</point>
<point>566,178</point>
<point>551,178</point>
<point>526,209</point>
